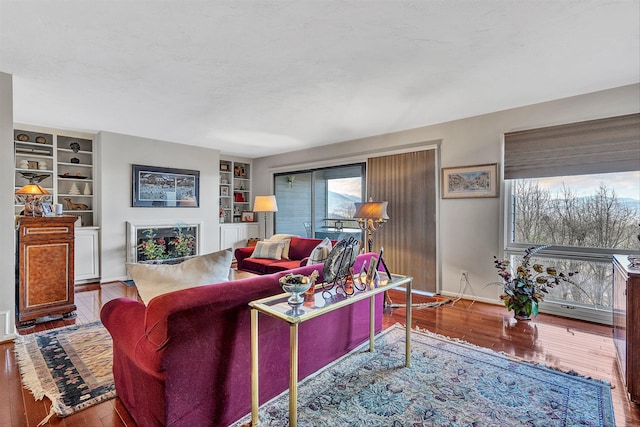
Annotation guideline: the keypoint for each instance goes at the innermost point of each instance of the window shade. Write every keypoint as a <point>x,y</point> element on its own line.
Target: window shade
<point>595,146</point>
<point>408,182</point>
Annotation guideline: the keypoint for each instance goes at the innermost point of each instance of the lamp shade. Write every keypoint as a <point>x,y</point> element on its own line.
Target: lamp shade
<point>371,210</point>
<point>32,190</point>
<point>265,204</point>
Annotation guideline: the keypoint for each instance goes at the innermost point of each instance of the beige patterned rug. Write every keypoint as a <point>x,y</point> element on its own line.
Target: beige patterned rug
<point>72,366</point>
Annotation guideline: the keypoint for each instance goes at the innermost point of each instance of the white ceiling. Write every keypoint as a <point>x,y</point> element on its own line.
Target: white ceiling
<point>255,78</point>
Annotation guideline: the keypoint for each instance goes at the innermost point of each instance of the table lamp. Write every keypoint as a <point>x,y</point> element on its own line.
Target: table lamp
<point>33,194</point>
<point>371,216</point>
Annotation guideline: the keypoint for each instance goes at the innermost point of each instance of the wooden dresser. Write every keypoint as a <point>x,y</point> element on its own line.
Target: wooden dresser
<point>626,323</point>
<point>44,270</point>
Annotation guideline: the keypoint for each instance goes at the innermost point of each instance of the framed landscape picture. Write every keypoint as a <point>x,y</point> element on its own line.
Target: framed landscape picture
<point>165,187</point>
<point>470,181</point>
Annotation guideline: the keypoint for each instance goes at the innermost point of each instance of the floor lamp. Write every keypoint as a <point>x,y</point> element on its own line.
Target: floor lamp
<point>371,216</point>
<point>265,204</point>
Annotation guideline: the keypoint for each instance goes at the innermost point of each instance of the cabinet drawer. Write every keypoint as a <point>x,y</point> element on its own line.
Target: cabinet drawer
<point>35,232</point>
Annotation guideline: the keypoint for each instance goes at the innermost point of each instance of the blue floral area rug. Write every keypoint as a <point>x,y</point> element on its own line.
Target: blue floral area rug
<point>449,383</point>
<point>72,366</point>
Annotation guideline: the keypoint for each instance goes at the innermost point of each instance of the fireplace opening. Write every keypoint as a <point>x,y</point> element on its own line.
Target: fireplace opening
<point>162,243</point>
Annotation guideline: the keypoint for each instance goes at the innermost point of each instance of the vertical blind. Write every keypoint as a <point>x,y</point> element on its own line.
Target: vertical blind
<point>407,182</point>
<point>596,146</point>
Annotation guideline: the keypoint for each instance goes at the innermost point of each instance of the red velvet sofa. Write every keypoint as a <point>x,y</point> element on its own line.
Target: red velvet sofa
<point>299,250</point>
<point>184,360</point>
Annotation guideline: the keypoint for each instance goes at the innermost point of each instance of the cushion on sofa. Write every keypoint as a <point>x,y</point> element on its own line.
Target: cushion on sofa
<point>286,239</point>
<point>257,265</point>
<point>320,253</point>
<point>268,250</point>
<point>155,279</point>
<point>282,265</point>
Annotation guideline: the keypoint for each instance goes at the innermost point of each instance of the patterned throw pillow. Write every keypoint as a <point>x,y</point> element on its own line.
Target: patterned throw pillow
<point>269,250</point>
<point>320,253</point>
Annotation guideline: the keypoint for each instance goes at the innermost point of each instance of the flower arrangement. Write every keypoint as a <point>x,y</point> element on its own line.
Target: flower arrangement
<point>526,288</point>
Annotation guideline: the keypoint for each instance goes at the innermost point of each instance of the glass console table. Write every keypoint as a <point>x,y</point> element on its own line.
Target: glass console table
<point>321,302</point>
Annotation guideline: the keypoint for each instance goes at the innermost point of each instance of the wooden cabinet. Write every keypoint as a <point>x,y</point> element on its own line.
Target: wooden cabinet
<point>626,323</point>
<point>45,268</point>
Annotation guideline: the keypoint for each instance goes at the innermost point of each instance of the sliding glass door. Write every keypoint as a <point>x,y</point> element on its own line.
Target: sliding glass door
<point>320,202</point>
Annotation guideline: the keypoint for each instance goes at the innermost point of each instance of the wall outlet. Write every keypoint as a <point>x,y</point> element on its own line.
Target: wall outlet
<point>464,275</point>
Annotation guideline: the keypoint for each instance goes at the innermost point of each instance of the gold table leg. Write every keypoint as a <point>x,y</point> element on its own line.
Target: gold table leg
<point>255,404</point>
<point>293,375</point>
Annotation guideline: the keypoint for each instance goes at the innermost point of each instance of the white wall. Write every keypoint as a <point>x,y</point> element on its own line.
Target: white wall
<point>116,154</point>
<point>7,230</point>
<point>470,229</point>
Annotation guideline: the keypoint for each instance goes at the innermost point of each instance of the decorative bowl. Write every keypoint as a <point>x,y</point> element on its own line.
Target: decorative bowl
<point>295,284</point>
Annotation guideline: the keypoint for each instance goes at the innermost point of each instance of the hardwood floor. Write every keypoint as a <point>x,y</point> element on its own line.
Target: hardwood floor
<point>559,342</point>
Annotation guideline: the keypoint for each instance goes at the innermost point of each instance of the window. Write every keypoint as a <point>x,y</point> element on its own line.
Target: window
<point>583,200</point>
<point>320,203</point>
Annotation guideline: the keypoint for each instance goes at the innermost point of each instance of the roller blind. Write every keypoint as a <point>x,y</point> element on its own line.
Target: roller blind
<point>595,146</point>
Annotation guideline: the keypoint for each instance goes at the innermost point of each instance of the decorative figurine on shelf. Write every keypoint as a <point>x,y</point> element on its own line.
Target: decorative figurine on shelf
<point>74,146</point>
<point>69,205</point>
<point>24,164</point>
<point>43,165</point>
<point>74,190</point>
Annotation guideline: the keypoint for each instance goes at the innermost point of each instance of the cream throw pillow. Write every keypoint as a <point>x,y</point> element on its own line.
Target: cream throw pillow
<point>157,279</point>
<point>320,253</point>
<point>286,239</point>
<point>268,250</point>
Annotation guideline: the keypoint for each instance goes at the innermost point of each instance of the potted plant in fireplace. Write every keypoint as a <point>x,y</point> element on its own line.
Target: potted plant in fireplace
<point>181,244</point>
<point>525,288</point>
<point>167,249</point>
<point>153,248</point>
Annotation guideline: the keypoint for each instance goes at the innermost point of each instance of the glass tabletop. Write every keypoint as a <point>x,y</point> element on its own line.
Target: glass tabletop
<point>324,299</point>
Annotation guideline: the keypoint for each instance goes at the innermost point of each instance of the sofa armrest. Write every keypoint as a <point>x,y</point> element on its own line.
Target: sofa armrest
<point>124,318</point>
<point>242,253</point>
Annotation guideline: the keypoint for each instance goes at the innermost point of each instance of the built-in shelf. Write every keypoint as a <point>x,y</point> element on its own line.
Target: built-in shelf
<point>54,154</point>
<point>235,190</point>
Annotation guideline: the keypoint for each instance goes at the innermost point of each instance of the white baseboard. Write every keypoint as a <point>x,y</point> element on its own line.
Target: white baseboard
<point>114,279</point>
<point>7,333</point>
<point>471,297</point>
